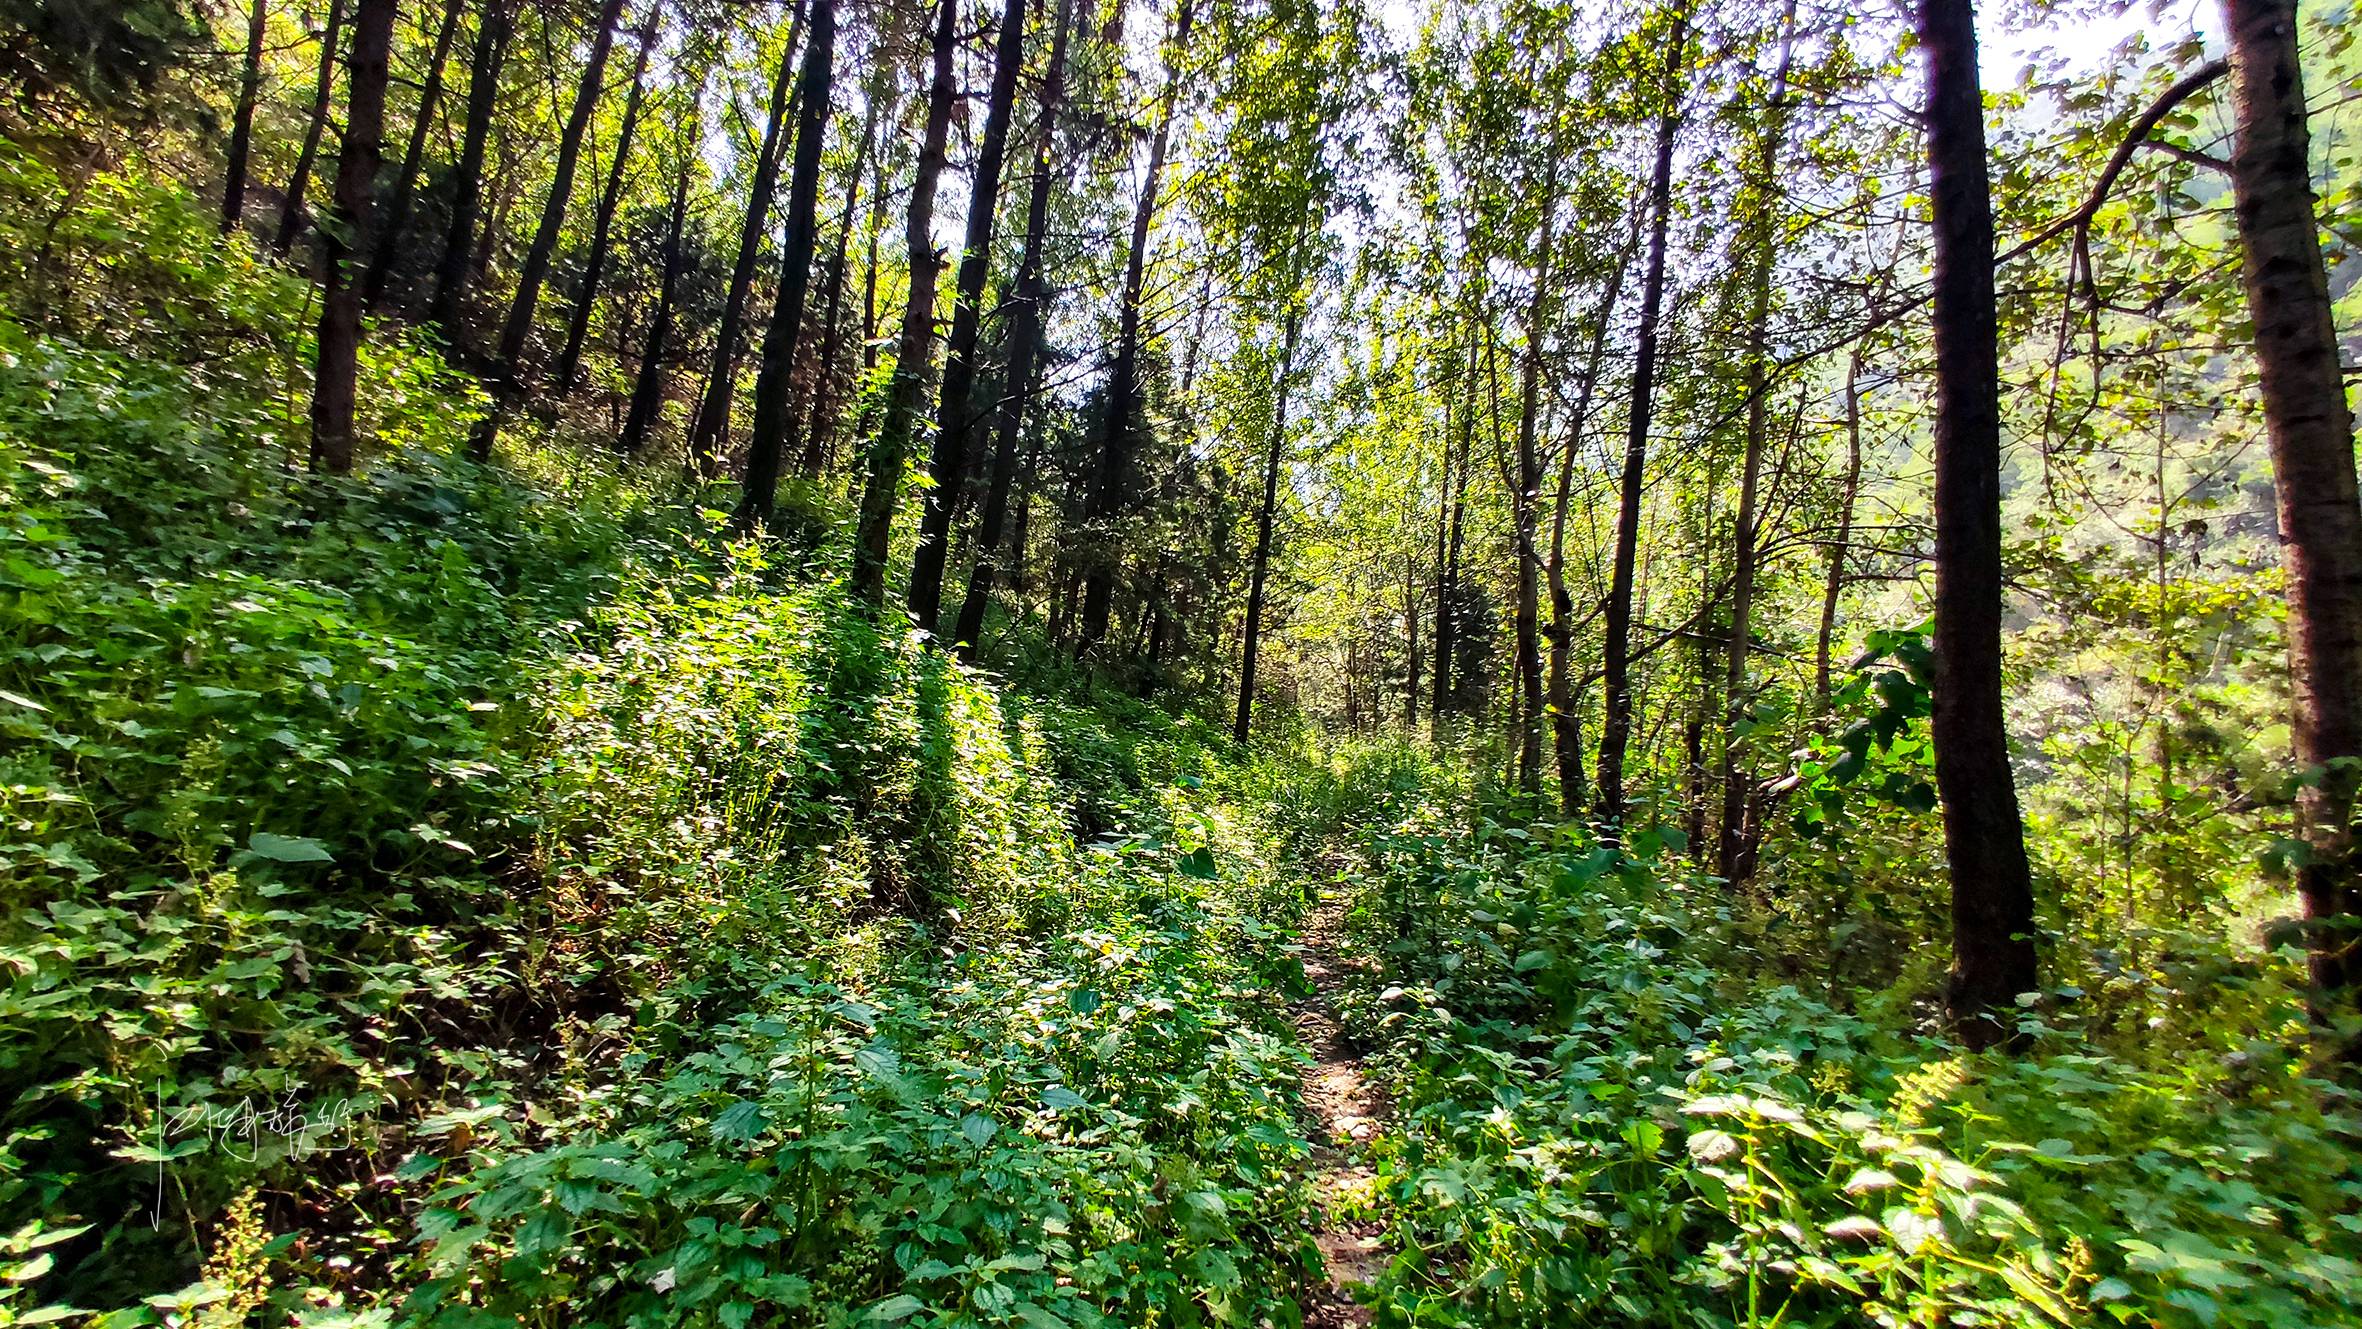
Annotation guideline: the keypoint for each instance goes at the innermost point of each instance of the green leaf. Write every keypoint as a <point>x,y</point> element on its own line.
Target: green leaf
<point>978,1129</point>
<point>742,1120</point>
<point>1198,863</point>
<point>901,1306</point>
<point>289,848</point>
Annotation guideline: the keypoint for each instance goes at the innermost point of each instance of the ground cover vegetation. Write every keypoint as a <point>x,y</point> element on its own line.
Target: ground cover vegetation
<point>1687,664</point>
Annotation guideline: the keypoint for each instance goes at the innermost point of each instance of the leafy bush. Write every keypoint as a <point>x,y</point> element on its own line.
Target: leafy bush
<point>1602,1117</point>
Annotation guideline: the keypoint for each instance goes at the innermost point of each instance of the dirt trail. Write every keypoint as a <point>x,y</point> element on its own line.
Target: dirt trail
<point>1346,1110</point>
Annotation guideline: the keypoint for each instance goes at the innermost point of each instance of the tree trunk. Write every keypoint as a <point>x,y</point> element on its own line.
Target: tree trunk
<point>955,417</point>
<point>505,371</point>
<point>233,191</point>
<point>569,366</point>
<point>398,199</point>
<point>291,208</point>
<point>1566,726</point>
<point>2312,441</point>
<point>818,424</point>
<point>1992,896</point>
<point>1447,554</point>
<point>1526,503</point>
<point>648,390</point>
<point>1616,658</point>
<point>713,410</point>
<point>1123,379</point>
<point>1834,583</point>
<point>337,368</point>
<point>1731,849</point>
<point>1025,329</point>
<point>889,452</point>
<point>1411,661</point>
<point>1260,569</point>
<point>483,98</point>
<point>773,379</point>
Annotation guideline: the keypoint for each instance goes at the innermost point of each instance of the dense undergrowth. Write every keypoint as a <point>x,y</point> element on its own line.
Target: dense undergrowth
<point>486,896</point>
<point>1614,1107</point>
<point>470,895</point>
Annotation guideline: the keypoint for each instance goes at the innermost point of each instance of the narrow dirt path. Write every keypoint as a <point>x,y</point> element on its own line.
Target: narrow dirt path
<point>1346,1110</point>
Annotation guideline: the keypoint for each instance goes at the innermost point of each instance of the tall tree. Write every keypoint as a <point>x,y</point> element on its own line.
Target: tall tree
<point>1992,891</point>
<point>233,190</point>
<point>648,389</point>
<point>1764,191</point>
<point>2311,430</point>
<point>291,214</point>
<point>502,375</point>
<point>1526,502</point>
<point>956,416</point>
<point>889,452</point>
<point>1029,308</point>
<point>1265,512</point>
<point>594,264</point>
<point>1123,378</point>
<point>449,302</point>
<point>337,350</point>
<point>1566,731</point>
<point>400,195</point>
<point>1615,731</point>
<point>1448,533</point>
<point>713,408</point>
<point>1833,579</point>
<point>832,320</point>
<point>772,379</point>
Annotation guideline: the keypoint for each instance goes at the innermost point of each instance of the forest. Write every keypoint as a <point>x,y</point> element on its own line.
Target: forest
<point>1274,663</point>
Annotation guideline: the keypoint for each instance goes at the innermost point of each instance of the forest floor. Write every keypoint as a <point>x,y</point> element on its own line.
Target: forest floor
<point>1346,1110</point>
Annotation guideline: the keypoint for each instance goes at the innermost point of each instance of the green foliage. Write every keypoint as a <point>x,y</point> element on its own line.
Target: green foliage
<point>106,56</point>
<point>1602,1116</point>
<point>449,895</point>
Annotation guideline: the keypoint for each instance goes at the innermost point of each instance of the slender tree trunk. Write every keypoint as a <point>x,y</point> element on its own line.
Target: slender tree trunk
<point>1566,726</point>
<point>889,452</point>
<point>773,380</point>
<point>1731,850</point>
<point>336,372</point>
<point>569,367</point>
<point>648,390</point>
<point>1834,583</point>
<point>1123,379</point>
<point>1992,894</point>
<point>1411,661</point>
<point>818,426</point>
<point>955,418</point>
<point>1693,750</point>
<point>504,201</point>
<point>713,410</point>
<point>398,198</point>
<point>483,99</point>
<point>1526,503</point>
<point>291,208</point>
<point>1616,658</point>
<point>1261,567</point>
<point>2312,441</point>
<point>233,191</point>
<point>1025,329</point>
<point>506,370</point>
<point>1447,553</point>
